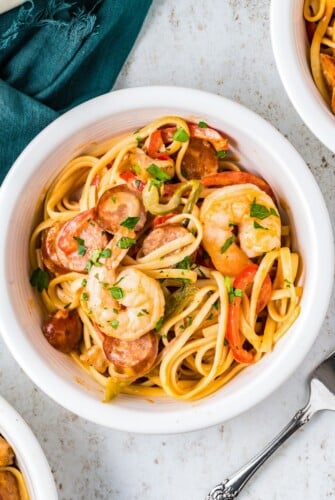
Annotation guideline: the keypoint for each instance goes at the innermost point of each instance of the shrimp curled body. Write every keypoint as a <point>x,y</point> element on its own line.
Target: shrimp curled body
<point>126,306</point>
<point>254,215</point>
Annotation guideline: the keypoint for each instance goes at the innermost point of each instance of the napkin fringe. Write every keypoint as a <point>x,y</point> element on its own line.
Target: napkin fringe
<point>80,25</point>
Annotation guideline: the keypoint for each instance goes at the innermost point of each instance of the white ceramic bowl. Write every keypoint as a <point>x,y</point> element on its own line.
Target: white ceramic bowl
<point>291,47</point>
<point>29,455</point>
<point>263,150</point>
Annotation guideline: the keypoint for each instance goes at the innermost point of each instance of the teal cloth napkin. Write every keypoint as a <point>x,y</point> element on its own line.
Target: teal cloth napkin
<point>55,54</point>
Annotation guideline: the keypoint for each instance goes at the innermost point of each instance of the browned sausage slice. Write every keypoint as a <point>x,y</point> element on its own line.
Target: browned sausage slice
<point>6,453</point>
<point>162,235</point>
<point>115,205</point>
<point>78,239</point>
<point>199,160</point>
<point>63,330</point>
<point>9,489</point>
<point>49,254</point>
<point>133,358</point>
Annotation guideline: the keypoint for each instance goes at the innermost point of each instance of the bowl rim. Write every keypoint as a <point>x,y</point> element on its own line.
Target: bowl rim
<point>295,73</point>
<point>16,431</point>
<point>192,416</point>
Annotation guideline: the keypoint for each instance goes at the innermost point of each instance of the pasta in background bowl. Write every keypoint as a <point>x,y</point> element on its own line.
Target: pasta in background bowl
<point>26,473</point>
<point>262,151</point>
<point>292,52</point>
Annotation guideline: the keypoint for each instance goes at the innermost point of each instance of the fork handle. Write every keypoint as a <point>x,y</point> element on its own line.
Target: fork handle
<point>231,487</point>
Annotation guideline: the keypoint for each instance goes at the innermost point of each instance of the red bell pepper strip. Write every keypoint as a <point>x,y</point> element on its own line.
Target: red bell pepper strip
<point>161,219</point>
<point>155,145</point>
<point>242,280</point>
<point>132,179</point>
<point>229,178</point>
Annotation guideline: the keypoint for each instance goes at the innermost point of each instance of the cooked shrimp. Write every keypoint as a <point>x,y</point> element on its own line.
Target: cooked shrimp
<point>126,306</point>
<point>254,215</point>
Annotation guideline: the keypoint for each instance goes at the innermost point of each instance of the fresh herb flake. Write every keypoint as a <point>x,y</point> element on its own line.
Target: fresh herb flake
<point>159,323</point>
<point>203,125</point>
<point>130,222</point>
<point>106,252</point>
<point>114,323</point>
<point>158,173</point>
<point>221,154</point>
<point>136,169</point>
<point>259,226</point>
<point>39,279</point>
<point>186,263</point>
<point>116,292</point>
<point>84,282</point>
<point>261,211</point>
<point>180,135</point>
<point>125,242</point>
<point>84,296</point>
<point>227,243</point>
<point>81,245</point>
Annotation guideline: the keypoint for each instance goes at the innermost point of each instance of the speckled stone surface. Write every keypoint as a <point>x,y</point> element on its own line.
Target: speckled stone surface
<point>222,47</point>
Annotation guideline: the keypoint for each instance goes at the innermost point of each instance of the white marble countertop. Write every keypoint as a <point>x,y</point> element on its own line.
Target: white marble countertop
<point>222,47</point>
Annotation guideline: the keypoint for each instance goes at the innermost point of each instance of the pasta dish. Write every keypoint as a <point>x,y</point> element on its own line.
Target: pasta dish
<point>319,17</point>
<point>12,484</point>
<point>163,268</point>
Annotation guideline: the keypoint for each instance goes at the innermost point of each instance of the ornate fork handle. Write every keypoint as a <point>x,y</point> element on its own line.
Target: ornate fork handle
<point>230,488</point>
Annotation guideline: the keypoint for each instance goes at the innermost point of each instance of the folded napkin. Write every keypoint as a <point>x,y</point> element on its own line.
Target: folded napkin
<point>55,54</point>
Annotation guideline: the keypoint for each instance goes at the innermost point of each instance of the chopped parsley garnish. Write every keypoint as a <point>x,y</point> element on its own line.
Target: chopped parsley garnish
<point>136,169</point>
<point>288,283</point>
<point>39,279</point>
<point>142,313</point>
<point>221,154</point>
<point>81,245</point>
<point>130,222</point>
<point>232,292</point>
<point>88,266</point>
<point>227,243</point>
<point>232,224</point>
<point>84,296</point>
<point>138,183</point>
<point>106,252</point>
<point>159,323</point>
<point>158,173</point>
<point>180,135</point>
<point>125,242</point>
<point>203,125</point>
<point>139,140</point>
<point>94,261</point>
<point>114,324</point>
<point>261,211</point>
<point>259,226</point>
<point>115,311</point>
<point>186,263</point>
<point>116,292</point>
<point>84,282</point>
<point>113,198</point>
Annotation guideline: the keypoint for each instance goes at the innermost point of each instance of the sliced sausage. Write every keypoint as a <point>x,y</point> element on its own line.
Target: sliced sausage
<point>133,358</point>
<point>6,453</point>
<point>199,160</point>
<point>209,134</point>
<point>162,235</point>
<point>63,330</point>
<point>78,239</point>
<point>115,205</point>
<point>9,489</point>
<point>49,254</point>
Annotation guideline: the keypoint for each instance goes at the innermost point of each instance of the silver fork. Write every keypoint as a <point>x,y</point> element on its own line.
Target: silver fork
<point>321,397</point>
